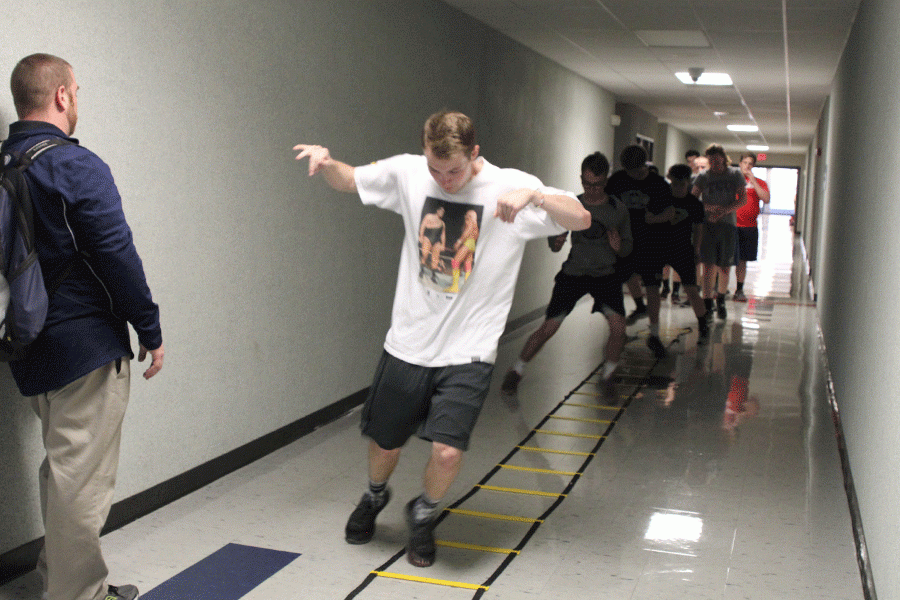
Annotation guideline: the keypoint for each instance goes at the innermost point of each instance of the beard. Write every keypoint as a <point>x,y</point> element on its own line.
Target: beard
<point>72,114</point>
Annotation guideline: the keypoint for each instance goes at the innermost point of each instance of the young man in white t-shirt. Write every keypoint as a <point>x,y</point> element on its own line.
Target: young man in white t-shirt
<point>436,368</point>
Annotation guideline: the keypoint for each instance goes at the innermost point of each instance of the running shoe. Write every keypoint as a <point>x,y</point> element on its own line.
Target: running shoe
<point>361,524</point>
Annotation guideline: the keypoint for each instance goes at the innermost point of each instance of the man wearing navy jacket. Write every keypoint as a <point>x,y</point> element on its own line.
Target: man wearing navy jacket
<point>76,373</point>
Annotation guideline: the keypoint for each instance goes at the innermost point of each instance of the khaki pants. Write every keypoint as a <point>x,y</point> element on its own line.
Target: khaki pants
<point>82,427</point>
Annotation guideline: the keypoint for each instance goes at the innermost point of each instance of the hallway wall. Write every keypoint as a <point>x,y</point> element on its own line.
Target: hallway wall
<point>856,184</point>
<point>275,291</point>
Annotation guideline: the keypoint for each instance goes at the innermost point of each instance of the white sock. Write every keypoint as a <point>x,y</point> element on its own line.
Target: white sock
<point>608,368</point>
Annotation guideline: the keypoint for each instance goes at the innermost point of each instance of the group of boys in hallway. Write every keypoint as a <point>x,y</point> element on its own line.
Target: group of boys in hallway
<point>722,232</point>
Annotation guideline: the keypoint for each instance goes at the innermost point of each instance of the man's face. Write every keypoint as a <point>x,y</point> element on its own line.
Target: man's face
<point>639,173</point>
<point>700,163</point>
<point>452,173</point>
<point>747,164</point>
<point>717,163</point>
<point>593,185</point>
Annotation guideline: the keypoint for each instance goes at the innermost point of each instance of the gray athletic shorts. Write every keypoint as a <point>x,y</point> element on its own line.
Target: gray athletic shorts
<point>718,244</point>
<point>440,404</point>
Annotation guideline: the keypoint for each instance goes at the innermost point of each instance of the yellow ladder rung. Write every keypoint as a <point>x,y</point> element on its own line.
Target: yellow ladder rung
<point>550,451</point>
<point>580,419</point>
<point>578,435</point>
<point>444,582</point>
<point>495,488</point>
<point>534,470</point>
<point>597,406</point>
<point>474,547</point>
<point>472,513</point>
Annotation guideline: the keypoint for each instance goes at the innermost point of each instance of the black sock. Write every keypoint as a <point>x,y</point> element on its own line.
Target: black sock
<point>720,299</point>
<point>676,286</point>
<point>639,304</point>
<point>740,286</point>
<point>709,304</point>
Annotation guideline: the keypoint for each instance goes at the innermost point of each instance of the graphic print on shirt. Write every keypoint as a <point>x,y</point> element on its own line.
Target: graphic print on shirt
<point>634,199</point>
<point>596,231</point>
<point>680,215</point>
<point>448,237</point>
<point>720,192</point>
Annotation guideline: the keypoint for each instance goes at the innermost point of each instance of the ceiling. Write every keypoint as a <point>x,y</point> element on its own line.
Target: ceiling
<point>782,56</point>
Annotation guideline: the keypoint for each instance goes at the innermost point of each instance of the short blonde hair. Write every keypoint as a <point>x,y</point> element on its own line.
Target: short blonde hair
<point>714,149</point>
<point>35,80</point>
<point>447,133</point>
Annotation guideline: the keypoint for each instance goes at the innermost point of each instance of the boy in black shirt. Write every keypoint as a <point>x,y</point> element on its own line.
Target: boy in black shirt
<point>682,215</point>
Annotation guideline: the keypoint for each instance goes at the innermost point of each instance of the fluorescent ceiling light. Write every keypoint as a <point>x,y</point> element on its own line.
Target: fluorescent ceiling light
<point>757,148</point>
<point>706,79</point>
<point>690,38</point>
<point>743,128</point>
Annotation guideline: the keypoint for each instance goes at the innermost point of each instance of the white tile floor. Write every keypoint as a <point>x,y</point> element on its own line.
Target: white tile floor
<point>681,500</point>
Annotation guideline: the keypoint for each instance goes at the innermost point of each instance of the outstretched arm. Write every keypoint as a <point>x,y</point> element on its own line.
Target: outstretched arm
<point>566,211</point>
<point>337,174</point>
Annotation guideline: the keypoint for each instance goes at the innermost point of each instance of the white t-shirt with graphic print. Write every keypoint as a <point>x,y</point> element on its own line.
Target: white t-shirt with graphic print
<point>431,326</point>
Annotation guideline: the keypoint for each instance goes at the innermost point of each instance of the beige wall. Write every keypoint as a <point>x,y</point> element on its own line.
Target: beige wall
<point>275,291</point>
<point>851,231</point>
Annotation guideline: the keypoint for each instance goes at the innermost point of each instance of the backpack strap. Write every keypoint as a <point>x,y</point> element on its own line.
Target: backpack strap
<point>32,153</point>
<point>24,161</point>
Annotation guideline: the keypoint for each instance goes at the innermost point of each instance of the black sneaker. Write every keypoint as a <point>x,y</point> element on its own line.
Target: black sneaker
<point>656,345</point>
<point>361,524</point>
<point>122,592</point>
<point>420,550</point>
<point>702,330</point>
<point>721,311</point>
<point>610,390</point>
<point>510,383</point>
<point>636,314</point>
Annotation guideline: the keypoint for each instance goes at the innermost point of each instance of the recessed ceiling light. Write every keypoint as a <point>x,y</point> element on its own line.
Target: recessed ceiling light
<point>720,113</point>
<point>743,128</point>
<point>706,79</point>
<point>756,148</point>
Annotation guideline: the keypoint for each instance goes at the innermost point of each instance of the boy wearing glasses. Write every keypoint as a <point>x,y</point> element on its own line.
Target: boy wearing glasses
<point>589,269</point>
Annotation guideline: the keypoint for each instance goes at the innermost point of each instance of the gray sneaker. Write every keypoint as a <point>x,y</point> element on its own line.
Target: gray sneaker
<point>122,592</point>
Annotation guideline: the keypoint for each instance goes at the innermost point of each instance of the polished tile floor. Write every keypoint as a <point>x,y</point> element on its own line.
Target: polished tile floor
<point>714,475</point>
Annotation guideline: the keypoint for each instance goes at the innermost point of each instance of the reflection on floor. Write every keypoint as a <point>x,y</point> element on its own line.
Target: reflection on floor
<point>713,475</point>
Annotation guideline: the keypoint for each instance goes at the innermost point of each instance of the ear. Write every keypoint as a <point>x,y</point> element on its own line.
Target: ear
<point>475,151</point>
<point>61,99</point>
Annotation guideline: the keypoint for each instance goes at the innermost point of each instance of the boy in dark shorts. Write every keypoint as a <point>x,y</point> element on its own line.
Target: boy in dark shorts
<point>681,218</point>
<point>440,349</point>
<point>589,269</point>
<point>636,185</point>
